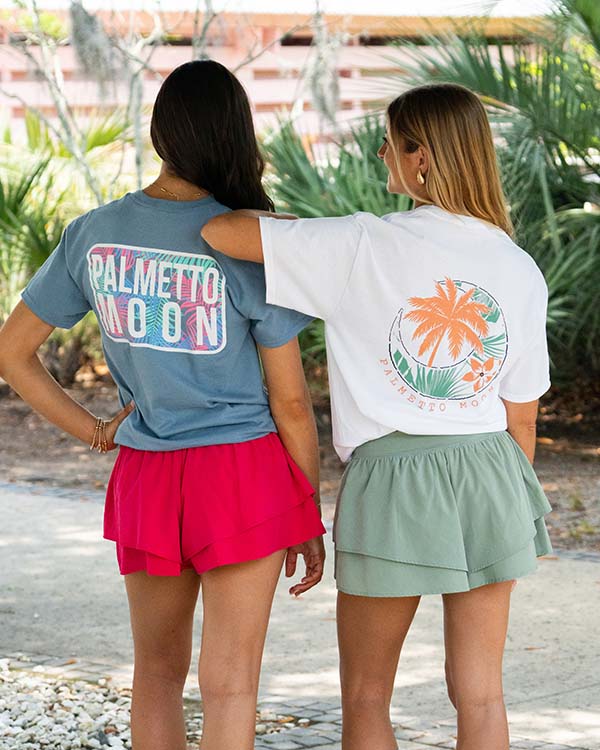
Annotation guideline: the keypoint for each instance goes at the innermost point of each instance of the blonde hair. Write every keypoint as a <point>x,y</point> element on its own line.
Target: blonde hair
<point>450,122</point>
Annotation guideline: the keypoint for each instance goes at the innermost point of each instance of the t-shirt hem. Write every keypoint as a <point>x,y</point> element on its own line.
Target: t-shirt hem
<point>274,343</point>
<point>521,398</point>
<point>345,451</point>
<point>165,446</point>
<point>284,338</point>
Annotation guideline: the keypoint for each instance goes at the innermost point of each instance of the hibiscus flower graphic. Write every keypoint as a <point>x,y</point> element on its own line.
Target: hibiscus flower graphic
<point>481,373</point>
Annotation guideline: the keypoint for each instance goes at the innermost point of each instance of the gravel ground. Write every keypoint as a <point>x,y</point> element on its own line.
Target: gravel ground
<point>39,711</point>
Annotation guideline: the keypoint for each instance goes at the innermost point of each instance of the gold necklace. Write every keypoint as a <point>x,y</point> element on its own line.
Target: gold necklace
<point>178,197</point>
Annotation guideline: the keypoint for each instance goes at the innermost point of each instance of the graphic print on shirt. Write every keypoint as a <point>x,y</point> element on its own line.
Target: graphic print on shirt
<point>159,299</point>
<point>451,345</point>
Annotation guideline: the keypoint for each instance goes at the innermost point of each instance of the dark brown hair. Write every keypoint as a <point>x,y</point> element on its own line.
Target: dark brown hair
<point>202,129</point>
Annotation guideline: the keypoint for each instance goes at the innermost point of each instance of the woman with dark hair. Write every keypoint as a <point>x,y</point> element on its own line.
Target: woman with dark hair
<point>203,490</point>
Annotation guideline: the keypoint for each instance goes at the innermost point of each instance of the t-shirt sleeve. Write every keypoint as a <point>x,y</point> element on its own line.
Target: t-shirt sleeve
<point>528,377</point>
<point>53,294</point>
<point>308,262</point>
<point>270,325</point>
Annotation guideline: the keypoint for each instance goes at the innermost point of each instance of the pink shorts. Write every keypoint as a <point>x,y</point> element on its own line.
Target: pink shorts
<point>207,506</point>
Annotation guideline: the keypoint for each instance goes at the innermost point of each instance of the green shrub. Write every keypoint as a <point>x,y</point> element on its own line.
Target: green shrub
<point>333,180</point>
<point>30,227</point>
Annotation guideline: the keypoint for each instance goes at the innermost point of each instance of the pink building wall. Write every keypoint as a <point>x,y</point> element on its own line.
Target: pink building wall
<point>274,81</point>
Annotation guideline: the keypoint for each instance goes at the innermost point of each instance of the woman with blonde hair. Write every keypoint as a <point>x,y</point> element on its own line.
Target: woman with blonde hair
<point>435,329</point>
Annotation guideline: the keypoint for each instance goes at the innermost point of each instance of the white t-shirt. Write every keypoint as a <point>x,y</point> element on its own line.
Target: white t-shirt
<point>431,319</point>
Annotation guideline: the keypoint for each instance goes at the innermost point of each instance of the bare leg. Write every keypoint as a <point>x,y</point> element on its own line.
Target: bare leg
<point>162,612</point>
<point>237,603</point>
<point>371,632</point>
<point>475,625</point>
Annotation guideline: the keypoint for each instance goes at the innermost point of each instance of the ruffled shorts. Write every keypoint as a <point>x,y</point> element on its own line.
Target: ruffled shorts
<point>421,514</point>
<point>207,506</point>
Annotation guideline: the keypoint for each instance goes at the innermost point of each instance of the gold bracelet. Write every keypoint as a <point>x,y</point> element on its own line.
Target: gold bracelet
<point>99,441</point>
<point>95,435</point>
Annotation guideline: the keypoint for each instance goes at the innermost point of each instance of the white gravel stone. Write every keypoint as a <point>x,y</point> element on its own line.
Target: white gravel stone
<point>42,712</point>
<point>37,711</point>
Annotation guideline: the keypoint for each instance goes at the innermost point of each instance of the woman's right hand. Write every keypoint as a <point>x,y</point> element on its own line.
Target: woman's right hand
<point>313,553</point>
<point>112,426</point>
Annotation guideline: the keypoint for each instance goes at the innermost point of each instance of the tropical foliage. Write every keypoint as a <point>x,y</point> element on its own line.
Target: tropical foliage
<point>42,188</point>
<point>30,227</point>
<point>32,217</point>
<point>101,142</point>
<point>439,383</point>
<point>337,180</point>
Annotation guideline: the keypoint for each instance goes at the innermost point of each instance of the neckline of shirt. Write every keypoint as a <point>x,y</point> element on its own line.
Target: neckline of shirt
<point>162,204</point>
<point>457,218</point>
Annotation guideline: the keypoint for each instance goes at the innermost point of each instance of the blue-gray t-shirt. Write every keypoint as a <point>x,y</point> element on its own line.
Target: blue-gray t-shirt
<point>179,321</point>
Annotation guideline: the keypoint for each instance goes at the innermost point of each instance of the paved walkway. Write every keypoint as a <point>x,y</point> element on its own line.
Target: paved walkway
<point>63,610</point>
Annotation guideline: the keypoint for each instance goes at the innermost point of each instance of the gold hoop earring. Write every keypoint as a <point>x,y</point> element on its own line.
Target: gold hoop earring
<point>420,178</point>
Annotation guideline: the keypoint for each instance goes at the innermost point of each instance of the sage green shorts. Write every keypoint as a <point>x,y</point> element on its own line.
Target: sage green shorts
<point>428,514</point>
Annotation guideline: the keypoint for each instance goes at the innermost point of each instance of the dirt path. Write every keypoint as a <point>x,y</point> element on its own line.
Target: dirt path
<point>34,452</point>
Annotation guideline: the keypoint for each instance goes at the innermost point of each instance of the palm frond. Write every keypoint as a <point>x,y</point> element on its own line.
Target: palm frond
<point>30,228</point>
<point>333,180</point>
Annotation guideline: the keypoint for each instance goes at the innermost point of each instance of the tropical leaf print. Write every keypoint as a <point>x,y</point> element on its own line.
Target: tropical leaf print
<point>190,321</point>
<point>494,346</point>
<point>130,258</point>
<point>403,367</point>
<point>159,301</point>
<point>450,314</point>
<point>493,314</point>
<point>445,383</point>
<point>154,314</point>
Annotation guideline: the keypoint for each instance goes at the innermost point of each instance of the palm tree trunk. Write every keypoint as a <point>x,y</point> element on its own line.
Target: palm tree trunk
<point>435,350</point>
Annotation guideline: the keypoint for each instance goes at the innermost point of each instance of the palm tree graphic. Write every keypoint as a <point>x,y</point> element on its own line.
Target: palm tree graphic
<point>448,313</point>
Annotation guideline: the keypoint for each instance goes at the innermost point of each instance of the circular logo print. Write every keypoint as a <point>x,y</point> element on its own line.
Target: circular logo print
<point>451,345</point>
